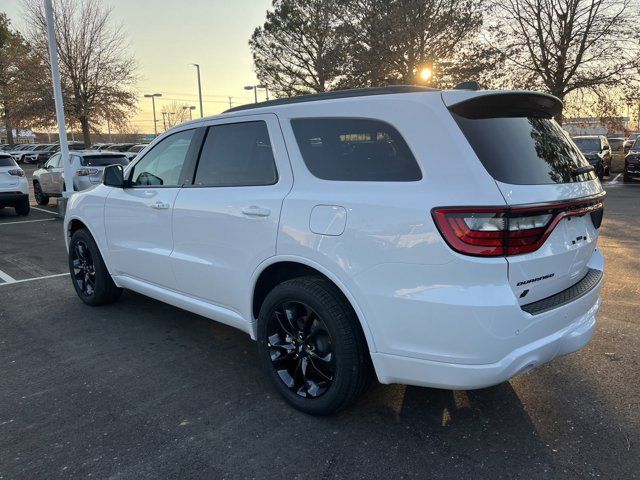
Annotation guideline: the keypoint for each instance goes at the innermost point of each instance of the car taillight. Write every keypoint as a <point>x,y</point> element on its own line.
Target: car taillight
<point>83,172</point>
<point>16,173</point>
<point>504,231</point>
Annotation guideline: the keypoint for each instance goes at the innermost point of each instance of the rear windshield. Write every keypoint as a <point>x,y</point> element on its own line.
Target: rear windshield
<point>103,160</point>
<point>7,162</point>
<point>587,144</point>
<point>524,150</point>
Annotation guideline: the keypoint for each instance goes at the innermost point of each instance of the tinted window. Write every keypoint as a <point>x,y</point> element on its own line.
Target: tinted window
<point>103,160</point>
<point>355,149</point>
<point>587,144</point>
<point>7,161</point>
<point>524,150</point>
<point>163,163</point>
<point>237,154</point>
<point>136,148</point>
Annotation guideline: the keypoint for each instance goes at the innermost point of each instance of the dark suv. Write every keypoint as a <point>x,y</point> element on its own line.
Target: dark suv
<point>597,151</point>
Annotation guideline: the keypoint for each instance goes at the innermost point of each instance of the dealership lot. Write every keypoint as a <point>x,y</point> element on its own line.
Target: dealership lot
<point>139,389</point>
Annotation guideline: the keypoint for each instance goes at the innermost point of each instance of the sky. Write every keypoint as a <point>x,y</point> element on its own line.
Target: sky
<point>167,35</point>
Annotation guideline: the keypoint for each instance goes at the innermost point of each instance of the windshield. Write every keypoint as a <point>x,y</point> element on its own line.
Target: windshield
<point>587,144</point>
<point>636,145</point>
<point>103,160</point>
<point>524,150</point>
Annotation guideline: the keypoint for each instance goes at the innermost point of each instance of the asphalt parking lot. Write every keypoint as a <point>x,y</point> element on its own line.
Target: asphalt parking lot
<point>140,389</point>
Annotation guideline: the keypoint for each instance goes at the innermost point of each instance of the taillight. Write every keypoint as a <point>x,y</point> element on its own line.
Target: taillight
<point>83,172</point>
<point>504,231</point>
<point>16,172</point>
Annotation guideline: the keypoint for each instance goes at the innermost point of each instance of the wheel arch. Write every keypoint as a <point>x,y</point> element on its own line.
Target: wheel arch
<point>76,223</point>
<point>279,269</point>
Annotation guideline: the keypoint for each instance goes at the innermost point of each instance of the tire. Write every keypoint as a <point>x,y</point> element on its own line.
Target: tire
<point>41,198</point>
<point>600,173</point>
<point>328,366</point>
<point>89,274</point>
<point>22,208</point>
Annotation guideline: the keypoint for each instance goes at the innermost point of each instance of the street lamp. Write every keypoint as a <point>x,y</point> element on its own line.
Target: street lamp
<point>199,86</point>
<point>190,108</point>
<point>255,91</point>
<point>153,96</point>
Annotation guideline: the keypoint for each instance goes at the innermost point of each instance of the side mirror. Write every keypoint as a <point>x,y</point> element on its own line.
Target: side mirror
<point>114,176</point>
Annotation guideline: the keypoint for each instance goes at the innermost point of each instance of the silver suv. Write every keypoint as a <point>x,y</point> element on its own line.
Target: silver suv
<point>86,168</point>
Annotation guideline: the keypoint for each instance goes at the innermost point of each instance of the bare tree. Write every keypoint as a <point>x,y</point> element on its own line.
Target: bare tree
<point>174,113</point>
<point>299,49</point>
<point>563,46</point>
<point>97,72</point>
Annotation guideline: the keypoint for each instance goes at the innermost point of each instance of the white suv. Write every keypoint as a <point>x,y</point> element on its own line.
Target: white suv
<point>14,188</point>
<point>436,238</point>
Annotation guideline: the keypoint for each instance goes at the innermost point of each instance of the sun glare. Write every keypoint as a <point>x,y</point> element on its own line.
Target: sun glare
<point>425,73</point>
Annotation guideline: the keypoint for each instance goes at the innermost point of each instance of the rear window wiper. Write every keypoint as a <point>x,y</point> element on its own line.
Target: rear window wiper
<point>579,171</point>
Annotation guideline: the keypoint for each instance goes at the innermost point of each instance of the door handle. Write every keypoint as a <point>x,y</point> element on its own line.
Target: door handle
<point>160,205</point>
<point>254,211</point>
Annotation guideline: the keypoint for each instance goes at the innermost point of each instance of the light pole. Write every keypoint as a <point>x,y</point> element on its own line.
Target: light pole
<point>255,91</point>
<point>153,96</point>
<point>190,108</point>
<point>199,86</point>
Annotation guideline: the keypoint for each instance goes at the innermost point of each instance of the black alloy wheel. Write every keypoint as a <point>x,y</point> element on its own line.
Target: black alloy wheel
<point>312,346</point>
<point>84,272</point>
<point>301,349</point>
<point>89,274</point>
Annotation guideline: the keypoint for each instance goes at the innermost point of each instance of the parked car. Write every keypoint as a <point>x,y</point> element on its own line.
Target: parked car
<point>46,153</point>
<point>102,146</point>
<point>86,167</point>
<point>134,150</point>
<point>449,243</point>
<point>6,147</point>
<point>616,143</point>
<point>14,189</point>
<point>597,151</point>
<point>629,142</point>
<point>21,155</point>
<point>632,162</point>
<point>15,152</point>
<point>120,147</point>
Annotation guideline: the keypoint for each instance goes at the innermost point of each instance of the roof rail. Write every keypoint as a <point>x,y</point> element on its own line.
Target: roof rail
<point>353,92</point>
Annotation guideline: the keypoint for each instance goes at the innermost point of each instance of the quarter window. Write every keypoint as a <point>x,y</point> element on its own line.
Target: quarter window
<point>237,154</point>
<point>162,165</point>
<point>355,149</point>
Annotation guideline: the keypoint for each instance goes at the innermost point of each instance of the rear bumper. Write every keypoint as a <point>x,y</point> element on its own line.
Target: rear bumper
<point>457,336</point>
<point>415,371</point>
<point>10,198</point>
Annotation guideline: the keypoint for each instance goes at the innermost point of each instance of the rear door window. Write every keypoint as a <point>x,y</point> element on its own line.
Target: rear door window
<point>237,154</point>
<point>355,149</point>
<point>524,150</point>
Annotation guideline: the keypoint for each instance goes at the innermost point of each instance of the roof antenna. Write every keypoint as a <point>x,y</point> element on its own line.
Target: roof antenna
<point>469,85</point>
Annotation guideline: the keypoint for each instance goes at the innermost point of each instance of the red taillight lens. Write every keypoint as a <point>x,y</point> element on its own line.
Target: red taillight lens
<point>16,173</point>
<point>503,231</point>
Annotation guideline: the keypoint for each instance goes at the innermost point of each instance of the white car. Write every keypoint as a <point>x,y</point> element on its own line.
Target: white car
<point>86,170</point>
<point>14,189</point>
<point>437,238</point>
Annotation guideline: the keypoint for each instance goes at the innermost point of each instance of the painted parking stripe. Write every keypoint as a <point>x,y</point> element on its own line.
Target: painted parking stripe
<point>6,278</point>
<point>14,281</point>
<point>44,210</point>
<point>28,221</point>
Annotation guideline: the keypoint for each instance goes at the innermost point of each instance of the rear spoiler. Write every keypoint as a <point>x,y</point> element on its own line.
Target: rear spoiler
<point>492,104</point>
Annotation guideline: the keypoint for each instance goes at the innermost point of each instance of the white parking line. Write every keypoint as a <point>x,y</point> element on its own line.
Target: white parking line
<point>11,281</point>
<point>44,210</point>
<point>29,221</point>
<point>6,277</point>
<point>615,180</point>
